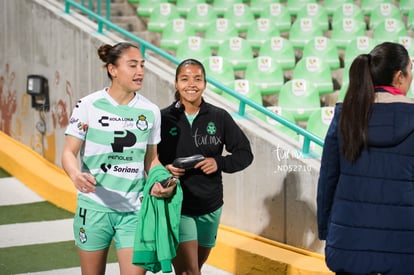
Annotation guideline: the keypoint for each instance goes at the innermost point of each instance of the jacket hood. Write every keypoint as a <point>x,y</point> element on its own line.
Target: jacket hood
<point>390,124</point>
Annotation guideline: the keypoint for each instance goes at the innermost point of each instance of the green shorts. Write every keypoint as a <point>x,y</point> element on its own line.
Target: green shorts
<point>201,228</point>
<point>95,230</point>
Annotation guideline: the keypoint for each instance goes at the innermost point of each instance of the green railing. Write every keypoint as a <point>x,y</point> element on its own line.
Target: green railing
<point>145,45</point>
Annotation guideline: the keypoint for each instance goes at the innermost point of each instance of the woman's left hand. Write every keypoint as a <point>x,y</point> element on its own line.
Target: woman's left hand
<point>208,166</point>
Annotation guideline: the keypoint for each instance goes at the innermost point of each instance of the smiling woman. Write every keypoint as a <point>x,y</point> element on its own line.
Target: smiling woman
<point>192,127</point>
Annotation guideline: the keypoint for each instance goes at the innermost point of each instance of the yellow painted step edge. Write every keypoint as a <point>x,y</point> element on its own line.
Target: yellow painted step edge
<point>237,252</point>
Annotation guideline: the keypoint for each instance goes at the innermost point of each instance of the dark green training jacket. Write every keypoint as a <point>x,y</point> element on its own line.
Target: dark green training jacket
<point>157,232</point>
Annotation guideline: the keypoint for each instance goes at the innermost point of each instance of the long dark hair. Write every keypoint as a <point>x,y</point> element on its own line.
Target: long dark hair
<point>110,54</point>
<point>367,71</point>
<point>186,62</point>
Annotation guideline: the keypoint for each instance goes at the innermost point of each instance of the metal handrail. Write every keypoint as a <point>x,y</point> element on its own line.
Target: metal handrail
<point>307,136</point>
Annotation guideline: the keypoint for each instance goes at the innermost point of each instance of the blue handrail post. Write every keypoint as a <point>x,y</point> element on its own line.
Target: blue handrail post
<point>242,108</point>
<point>108,13</point>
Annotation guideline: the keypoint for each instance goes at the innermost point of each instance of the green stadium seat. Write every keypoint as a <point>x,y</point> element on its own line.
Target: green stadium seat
<point>316,71</point>
<point>410,20</point>
<point>358,45</point>
<point>146,7</point>
<point>299,98</point>
<point>347,10</point>
<point>265,74</point>
<point>343,90</point>
<point>175,33</point>
<point>323,48</point>
<point>281,50</point>
<point>382,11</point>
<point>257,6</point>
<point>389,30</point>
<point>222,6</point>
<point>279,15</point>
<point>161,17</point>
<point>241,15</point>
<point>243,87</point>
<point>318,124</point>
<point>279,127</point>
<point>221,70</point>
<point>238,51</point>
<point>406,6</point>
<point>302,31</point>
<point>408,43</point>
<point>201,17</point>
<point>184,6</point>
<point>294,6</point>
<point>333,5</point>
<point>260,31</point>
<point>345,31</point>
<point>317,12</point>
<point>369,6</point>
<point>219,31</point>
<point>194,47</point>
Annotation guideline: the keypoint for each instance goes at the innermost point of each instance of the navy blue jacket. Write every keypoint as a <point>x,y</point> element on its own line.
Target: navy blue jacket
<point>212,131</point>
<point>366,208</point>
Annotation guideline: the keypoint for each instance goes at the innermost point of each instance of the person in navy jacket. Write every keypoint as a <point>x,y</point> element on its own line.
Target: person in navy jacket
<point>190,126</point>
<point>365,199</point>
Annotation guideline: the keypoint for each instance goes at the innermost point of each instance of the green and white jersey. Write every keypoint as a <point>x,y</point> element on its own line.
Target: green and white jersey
<point>115,140</point>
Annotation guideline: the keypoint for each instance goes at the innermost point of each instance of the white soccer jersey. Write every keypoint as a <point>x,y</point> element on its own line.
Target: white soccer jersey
<point>115,140</point>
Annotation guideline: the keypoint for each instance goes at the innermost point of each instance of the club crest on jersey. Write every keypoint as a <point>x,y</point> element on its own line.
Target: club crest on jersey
<point>142,123</point>
<point>82,235</point>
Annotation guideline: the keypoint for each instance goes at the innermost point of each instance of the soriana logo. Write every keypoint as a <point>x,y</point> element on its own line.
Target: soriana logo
<point>298,87</point>
<point>216,63</point>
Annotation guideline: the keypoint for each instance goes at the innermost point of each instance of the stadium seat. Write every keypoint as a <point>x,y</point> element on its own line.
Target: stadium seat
<point>241,15</point>
<point>222,6</point>
<point>184,6</point>
<point>318,124</point>
<point>279,15</point>
<point>238,51</point>
<point>358,45</point>
<point>146,7</point>
<point>201,17</point>
<point>406,6</point>
<point>219,31</point>
<point>161,17</point>
<point>194,47</point>
<point>369,6</point>
<point>302,31</point>
<point>281,50</point>
<point>260,31</point>
<point>410,20</point>
<point>265,74</point>
<point>243,87</point>
<point>294,6</point>
<point>345,31</point>
<point>389,30</point>
<point>316,71</point>
<point>343,90</point>
<point>279,126</point>
<point>317,12</point>
<point>175,33</point>
<point>382,11</point>
<point>347,10</point>
<point>257,6</point>
<point>408,43</point>
<point>323,48</point>
<point>333,5</point>
<point>299,98</point>
<point>220,70</point>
